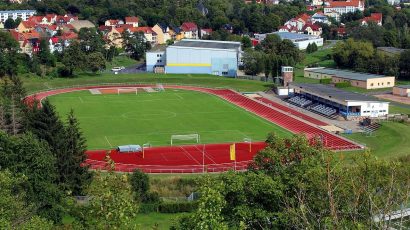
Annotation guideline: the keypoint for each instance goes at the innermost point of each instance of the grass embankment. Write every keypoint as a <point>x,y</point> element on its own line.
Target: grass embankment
<point>35,84</point>
<point>119,61</point>
<point>390,141</point>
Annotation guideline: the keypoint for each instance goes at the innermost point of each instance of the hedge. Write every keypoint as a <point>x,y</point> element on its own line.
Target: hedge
<point>325,81</point>
<point>178,207</point>
<point>171,207</point>
<point>342,84</point>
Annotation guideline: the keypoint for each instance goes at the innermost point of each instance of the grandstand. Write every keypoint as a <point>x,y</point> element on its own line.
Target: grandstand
<point>332,102</point>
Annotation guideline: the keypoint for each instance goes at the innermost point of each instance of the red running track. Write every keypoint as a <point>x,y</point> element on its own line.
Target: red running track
<point>189,159</point>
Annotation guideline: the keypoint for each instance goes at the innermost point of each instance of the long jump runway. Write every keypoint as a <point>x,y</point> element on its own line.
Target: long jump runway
<point>209,157</point>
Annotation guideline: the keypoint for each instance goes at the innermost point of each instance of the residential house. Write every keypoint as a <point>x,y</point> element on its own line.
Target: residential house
<point>28,42</point>
<point>112,22</point>
<point>374,17</point>
<point>149,34</point>
<point>206,32</point>
<point>176,33</point>
<point>132,21</point>
<point>65,19</point>
<point>113,36</point>
<point>337,8</point>
<point>312,29</point>
<point>320,17</point>
<point>190,30</point>
<point>26,26</point>
<point>46,30</point>
<point>163,33</point>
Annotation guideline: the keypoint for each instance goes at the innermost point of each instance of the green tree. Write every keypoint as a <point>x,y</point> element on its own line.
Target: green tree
<point>25,155</point>
<point>14,211</point>
<point>404,64</point>
<point>246,42</point>
<point>135,44</point>
<point>111,206</point>
<point>73,57</point>
<point>8,55</point>
<point>90,40</point>
<point>253,62</point>
<point>74,176</point>
<point>140,184</point>
<point>9,24</point>
<point>44,55</point>
<point>95,62</point>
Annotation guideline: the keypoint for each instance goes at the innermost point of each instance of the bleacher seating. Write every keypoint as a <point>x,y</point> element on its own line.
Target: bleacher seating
<point>300,101</point>
<point>322,109</point>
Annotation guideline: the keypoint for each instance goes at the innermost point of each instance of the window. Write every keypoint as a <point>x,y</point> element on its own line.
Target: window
<point>371,84</point>
<point>357,83</point>
<point>388,83</point>
<point>224,73</point>
<point>378,84</point>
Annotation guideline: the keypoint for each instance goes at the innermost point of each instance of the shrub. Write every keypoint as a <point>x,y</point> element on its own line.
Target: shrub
<point>325,81</point>
<point>63,72</point>
<point>140,184</point>
<point>342,84</point>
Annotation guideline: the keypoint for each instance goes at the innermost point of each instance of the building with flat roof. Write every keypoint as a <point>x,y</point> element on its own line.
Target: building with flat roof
<point>402,90</point>
<point>345,103</point>
<point>219,58</point>
<point>14,14</point>
<point>362,80</point>
<point>301,41</point>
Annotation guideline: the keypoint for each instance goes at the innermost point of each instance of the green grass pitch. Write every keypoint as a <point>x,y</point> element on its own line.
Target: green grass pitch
<point>109,120</point>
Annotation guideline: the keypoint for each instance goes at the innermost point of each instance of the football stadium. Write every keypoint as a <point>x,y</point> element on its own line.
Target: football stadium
<point>180,128</point>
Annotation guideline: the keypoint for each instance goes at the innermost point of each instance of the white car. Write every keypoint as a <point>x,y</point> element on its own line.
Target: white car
<point>116,69</point>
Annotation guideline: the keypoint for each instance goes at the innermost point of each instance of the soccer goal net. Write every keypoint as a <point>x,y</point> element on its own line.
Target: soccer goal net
<point>160,87</point>
<point>127,91</point>
<point>186,137</point>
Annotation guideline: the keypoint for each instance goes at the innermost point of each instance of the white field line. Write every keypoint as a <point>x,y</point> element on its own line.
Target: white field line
<point>81,99</point>
<point>108,141</point>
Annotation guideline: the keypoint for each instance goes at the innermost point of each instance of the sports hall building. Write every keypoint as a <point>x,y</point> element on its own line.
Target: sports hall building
<point>190,56</point>
<point>361,80</point>
<point>331,102</point>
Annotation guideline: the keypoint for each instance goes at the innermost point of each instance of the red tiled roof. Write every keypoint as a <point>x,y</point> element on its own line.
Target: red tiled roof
<point>305,17</point>
<point>144,29</point>
<point>314,27</point>
<point>131,19</point>
<point>354,3</point>
<point>374,17</point>
<point>189,26</point>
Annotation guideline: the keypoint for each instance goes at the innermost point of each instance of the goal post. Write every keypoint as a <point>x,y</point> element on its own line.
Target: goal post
<point>160,87</point>
<point>127,90</point>
<point>185,137</point>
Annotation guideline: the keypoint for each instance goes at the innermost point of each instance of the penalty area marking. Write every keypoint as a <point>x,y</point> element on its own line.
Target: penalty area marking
<point>108,141</point>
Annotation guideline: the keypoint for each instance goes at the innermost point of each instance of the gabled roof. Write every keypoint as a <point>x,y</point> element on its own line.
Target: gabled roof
<point>314,27</point>
<point>189,26</point>
<point>131,19</point>
<point>144,29</point>
<point>305,17</point>
<point>374,17</point>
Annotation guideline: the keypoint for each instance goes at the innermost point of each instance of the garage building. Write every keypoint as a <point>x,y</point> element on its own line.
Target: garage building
<point>402,90</point>
<point>361,80</point>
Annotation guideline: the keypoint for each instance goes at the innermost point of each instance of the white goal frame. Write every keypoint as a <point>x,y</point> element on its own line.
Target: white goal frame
<point>160,87</point>
<point>127,89</point>
<point>186,137</point>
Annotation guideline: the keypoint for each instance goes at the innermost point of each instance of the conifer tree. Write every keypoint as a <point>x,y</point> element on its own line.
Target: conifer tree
<point>74,176</point>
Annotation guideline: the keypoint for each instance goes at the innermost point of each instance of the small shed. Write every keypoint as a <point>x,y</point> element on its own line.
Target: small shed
<point>129,148</point>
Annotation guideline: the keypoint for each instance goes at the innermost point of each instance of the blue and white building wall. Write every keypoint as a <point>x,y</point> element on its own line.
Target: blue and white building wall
<point>154,59</point>
<point>193,60</point>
